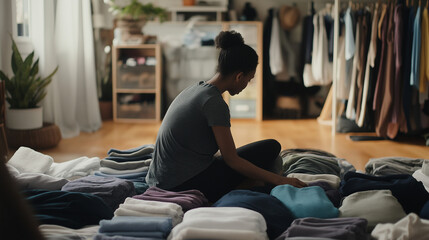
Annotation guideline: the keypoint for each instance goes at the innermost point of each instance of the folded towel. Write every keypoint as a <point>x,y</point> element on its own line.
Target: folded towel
<point>40,181</point>
<point>137,226</point>
<point>392,165</point>
<point>138,151</point>
<point>26,160</point>
<point>217,234</point>
<point>377,206</point>
<point>50,231</point>
<point>78,167</point>
<point>125,165</point>
<point>333,180</point>
<point>410,227</point>
<point>108,170</point>
<point>305,202</point>
<point>206,222</point>
<point>106,237</point>
<point>129,159</point>
<point>137,207</point>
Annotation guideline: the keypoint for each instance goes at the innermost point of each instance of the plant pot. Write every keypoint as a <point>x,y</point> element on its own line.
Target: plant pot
<point>24,119</point>
<point>106,110</point>
<point>130,25</point>
<point>188,2</point>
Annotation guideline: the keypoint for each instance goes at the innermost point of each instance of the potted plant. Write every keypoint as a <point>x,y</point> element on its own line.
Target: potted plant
<point>24,91</point>
<point>131,15</point>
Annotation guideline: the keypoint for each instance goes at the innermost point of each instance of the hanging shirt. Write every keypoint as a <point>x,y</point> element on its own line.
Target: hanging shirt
<point>350,39</point>
<point>372,53</point>
<point>351,112</point>
<point>424,57</point>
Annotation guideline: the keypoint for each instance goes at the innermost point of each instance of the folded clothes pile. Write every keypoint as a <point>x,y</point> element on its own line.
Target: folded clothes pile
<point>410,193</point>
<point>139,227</point>
<point>50,231</point>
<point>122,162</point>
<point>145,208</point>
<point>409,227</point>
<point>277,216</point>
<point>34,170</point>
<point>112,190</point>
<point>332,180</point>
<point>68,209</point>
<point>392,165</point>
<point>221,223</point>
<point>333,228</point>
<point>186,199</point>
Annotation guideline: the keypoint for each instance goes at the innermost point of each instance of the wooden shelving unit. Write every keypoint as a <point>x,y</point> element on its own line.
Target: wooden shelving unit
<point>136,72</point>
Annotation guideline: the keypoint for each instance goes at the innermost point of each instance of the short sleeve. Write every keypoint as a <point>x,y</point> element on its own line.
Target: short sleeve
<point>217,112</point>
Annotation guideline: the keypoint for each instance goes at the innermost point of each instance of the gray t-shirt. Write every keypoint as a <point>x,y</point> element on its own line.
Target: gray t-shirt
<point>185,144</point>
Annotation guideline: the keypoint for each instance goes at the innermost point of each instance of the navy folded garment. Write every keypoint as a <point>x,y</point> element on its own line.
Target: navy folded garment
<point>68,209</point>
<point>112,190</point>
<point>276,214</point>
<point>424,213</point>
<point>410,193</point>
<point>333,228</point>
<point>158,227</point>
<point>333,194</point>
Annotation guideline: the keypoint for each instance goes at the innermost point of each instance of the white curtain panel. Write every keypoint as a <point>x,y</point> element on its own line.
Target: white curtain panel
<point>65,39</point>
<point>5,28</point>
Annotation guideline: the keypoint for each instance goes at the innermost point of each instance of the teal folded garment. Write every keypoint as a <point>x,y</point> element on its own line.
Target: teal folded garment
<point>305,202</point>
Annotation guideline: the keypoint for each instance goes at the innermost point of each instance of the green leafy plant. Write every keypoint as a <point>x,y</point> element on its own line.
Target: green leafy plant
<point>25,89</point>
<point>136,10</point>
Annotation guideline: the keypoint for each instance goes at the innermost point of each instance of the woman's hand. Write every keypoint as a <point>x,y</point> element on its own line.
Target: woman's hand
<point>292,181</point>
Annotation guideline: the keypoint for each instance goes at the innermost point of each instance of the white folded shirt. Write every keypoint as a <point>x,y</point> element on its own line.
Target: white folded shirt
<point>219,234</point>
<point>52,231</point>
<point>332,180</point>
<point>26,160</point>
<point>40,181</point>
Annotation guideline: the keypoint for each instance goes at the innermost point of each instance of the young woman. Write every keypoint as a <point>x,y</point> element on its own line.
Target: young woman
<point>197,125</point>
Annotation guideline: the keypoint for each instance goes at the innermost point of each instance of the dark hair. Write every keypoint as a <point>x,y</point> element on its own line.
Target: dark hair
<point>234,56</point>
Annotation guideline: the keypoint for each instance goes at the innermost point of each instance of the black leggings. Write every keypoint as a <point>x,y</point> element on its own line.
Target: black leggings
<point>218,179</point>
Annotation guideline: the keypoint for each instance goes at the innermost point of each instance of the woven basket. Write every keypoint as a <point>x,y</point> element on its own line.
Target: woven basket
<point>47,136</point>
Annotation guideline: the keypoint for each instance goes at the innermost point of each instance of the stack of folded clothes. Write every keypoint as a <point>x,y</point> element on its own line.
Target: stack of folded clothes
<point>221,223</point>
<point>393,165</point>
<point>138,227</point>
<point>112,190</point>
<point>275,213</point>
<point>145,208</point>
<point>333,228</point>
<point>132,165</point>
<point>186,199</point>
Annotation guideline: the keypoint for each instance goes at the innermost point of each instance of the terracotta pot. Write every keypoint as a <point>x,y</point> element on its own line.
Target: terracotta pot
<point>188,2</point>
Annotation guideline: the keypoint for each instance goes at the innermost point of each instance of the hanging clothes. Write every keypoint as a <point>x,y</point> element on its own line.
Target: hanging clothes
<point>370,64</point>
<point>415,57</point>
<point>424,57</point>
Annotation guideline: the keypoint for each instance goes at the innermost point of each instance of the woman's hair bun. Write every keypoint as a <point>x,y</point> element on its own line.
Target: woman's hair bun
<point>228,39</point>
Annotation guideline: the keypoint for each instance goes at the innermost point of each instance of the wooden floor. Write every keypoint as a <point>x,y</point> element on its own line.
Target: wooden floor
<point>290,133</point>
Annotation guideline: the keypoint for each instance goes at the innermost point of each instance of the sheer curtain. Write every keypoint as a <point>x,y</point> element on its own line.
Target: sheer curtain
<point>63,36</point>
